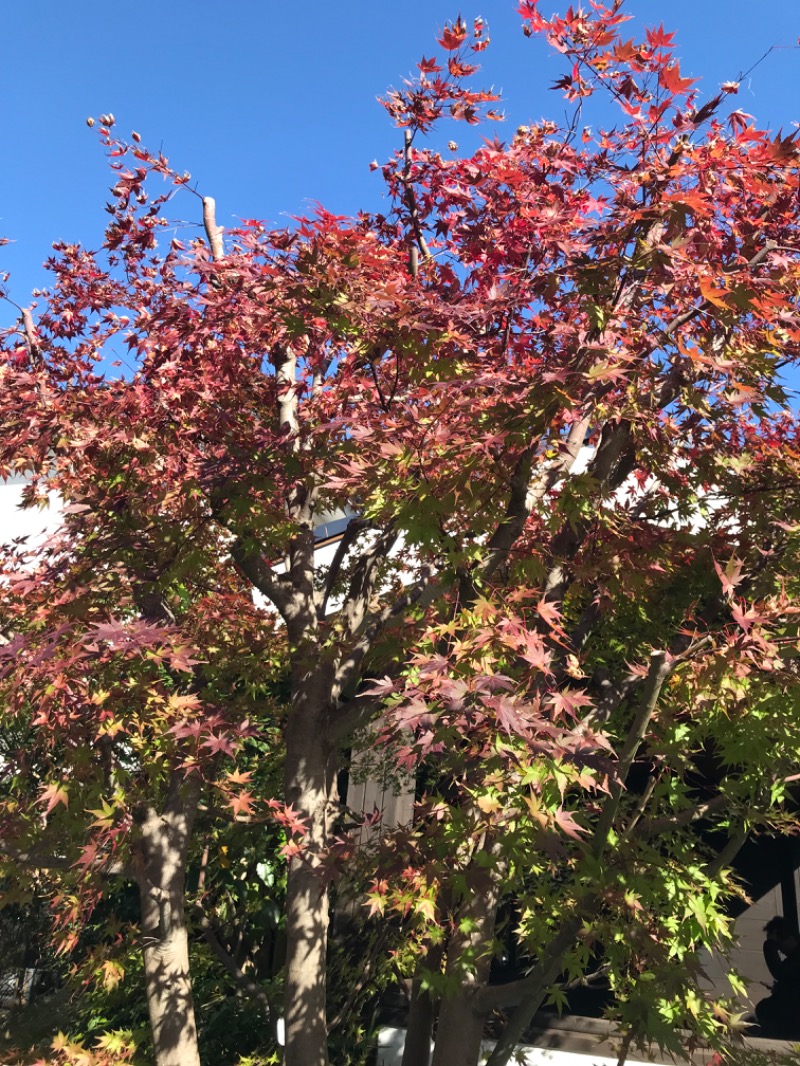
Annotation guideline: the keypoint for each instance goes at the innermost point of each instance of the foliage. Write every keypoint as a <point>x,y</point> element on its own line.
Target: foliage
<point>546,385</point>
<point>111,1049</point>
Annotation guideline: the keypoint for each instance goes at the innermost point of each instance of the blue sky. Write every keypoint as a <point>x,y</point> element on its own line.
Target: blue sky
<point>271,105</point>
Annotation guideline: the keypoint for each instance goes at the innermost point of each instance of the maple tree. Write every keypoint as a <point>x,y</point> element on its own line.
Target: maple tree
<point>546,383</point>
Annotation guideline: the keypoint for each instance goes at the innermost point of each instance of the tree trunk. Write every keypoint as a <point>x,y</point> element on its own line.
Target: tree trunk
<point>161,867</point>
<point>309,789</point>
<point>469,958</point>
<point>421,1013</point>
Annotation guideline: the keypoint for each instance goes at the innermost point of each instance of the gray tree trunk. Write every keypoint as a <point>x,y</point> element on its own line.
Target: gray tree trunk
<point>421,1013</point>
<point>162,850</point>
<point>309,789</point>
<point>459,1030</point>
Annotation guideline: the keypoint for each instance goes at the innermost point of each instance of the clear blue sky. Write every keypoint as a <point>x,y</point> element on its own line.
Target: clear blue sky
<point>271,104</point>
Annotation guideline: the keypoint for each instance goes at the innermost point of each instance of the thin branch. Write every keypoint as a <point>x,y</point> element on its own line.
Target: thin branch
<point>530,993</point>
<point>361,982</point>
<point>735,844</point>
<point>641,806</point>
<point>421,246</point>
<point>527,492</point>
<point>247,984</point>
<point>47,861</point>
<point>670,386</point>
<point>500,997</point>
<point>354,527</point>
<point>659,826</point>
<point>350,665</point>
<point>363,582</point>
<point>661,666</point>
<point>381,398</point>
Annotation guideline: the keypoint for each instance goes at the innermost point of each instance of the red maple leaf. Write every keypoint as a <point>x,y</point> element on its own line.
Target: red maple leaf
<point>657,38</point>
<point>669,78</point>
<point>241,803</point>
<point>428,66</point>
<point>453,36</point>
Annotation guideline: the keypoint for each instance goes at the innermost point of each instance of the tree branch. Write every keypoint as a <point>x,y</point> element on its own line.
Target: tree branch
<point>670,387</point>
<point>527,492</point>
<point>247,984</point>
<point>354,527</point>
<point>661,666</point>
<point>734,845</point>
<point>31,336</point>
<point>532,988</point>
<point>213,231</point>
<point>658,826</point>
<point>530,993</point>
<point>276,587</point>
<point>421,246</point>
<point>350,665</point>
<point>47,861</point>
<point>362,584</point>
<point>285,362</point>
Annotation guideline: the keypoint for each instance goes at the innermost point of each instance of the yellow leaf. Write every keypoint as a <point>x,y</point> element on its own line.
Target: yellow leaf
<point>488,804</point>
<point>426,908</point>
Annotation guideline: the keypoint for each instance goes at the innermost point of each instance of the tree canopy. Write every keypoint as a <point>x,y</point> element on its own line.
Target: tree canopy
<point>546,385</point>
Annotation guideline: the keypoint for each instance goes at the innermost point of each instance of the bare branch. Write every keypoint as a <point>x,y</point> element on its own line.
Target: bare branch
<point>354,527</point>
<point>605,466</point>
<point>363,979</point>
<point>276,587</point>
<point>641,806</point>
<point>353,715</point>
<point>527,491</point>
<point>362,584</point>
<point>375,624</point>
<point>735,844</point>
<point>612,695</point>
<point>40,860</point>
<point>532,988</point>
<point>213,231</point>
<point>31,336</point>
<point>659,826</point>
<point>661,666</point>
<point>285,362</point>
<point>247,984</point>
<point>421,246</point>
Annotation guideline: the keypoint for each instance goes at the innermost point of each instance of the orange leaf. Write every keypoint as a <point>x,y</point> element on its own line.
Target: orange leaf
<point>453,36</point>
<point>713,294</point>
<point>241,803</point>
<point>53,795</point>
<point>669,78</point>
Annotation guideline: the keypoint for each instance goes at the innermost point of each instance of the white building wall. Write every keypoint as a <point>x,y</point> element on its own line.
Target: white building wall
<point>747,957</point>
<point>391,1042</point>
<point>29,522</point>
